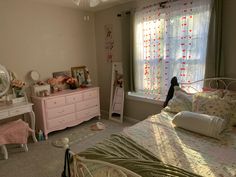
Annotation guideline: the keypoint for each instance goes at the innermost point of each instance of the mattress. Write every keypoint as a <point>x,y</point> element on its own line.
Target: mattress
<point>193,152</point>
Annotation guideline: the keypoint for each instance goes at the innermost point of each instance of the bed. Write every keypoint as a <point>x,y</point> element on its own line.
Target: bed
<point>156,147</point>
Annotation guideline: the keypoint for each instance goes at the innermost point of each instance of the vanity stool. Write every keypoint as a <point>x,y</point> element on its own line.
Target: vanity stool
<point>14,132</point>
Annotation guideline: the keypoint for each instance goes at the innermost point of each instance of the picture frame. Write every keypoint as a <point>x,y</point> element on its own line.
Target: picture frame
<point>61,73</point>
<point>80,74</point>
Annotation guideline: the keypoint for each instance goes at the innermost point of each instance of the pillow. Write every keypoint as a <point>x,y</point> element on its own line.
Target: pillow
<point>232,120</point>
<point>215,93</point>
<point>182,101</point>
<point>211,105</point>
<point>230,95</point>
<point>182,94</point>
<point>204,124</point>
<point>176,105</point>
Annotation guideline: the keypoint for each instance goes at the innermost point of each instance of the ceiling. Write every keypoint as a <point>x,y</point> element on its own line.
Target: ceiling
<point>84,4</point>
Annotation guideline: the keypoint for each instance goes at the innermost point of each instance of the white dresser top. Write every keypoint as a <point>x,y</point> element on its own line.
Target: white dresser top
<point>64,92</point>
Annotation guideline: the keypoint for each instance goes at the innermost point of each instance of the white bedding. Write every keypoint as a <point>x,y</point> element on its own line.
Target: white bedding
<point>187,150</point>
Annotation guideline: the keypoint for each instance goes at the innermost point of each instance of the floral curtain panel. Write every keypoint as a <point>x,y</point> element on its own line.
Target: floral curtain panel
<point>170,39</point>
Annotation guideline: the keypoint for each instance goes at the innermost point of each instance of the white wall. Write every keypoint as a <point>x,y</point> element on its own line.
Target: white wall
<point>229,37</point>
<point>46,38</point>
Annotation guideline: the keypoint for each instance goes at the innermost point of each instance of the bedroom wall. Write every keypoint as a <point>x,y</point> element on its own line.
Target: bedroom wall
<point>229,37</point>
<point>134,109</point>
<point>46,38</point>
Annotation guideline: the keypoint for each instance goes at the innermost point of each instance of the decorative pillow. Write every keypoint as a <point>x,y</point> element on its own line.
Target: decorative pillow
<point>204,124</point>
<point>215,93</point>
<point>182,94</point>
<point>211,105</point>
<point>232,112</point>
<point>176,105</point>
<point>182,101</point>
<point>230,95</point>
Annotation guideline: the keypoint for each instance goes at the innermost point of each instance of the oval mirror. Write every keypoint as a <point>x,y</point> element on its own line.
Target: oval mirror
<point>34,75</point>
<point>4,80</point>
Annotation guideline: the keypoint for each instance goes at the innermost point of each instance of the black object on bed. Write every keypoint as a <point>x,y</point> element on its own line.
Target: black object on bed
<point>174,82</point>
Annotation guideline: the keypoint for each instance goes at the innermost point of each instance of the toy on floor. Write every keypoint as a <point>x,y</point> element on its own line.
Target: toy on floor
<point>97,126</point>
<point>62,143</point>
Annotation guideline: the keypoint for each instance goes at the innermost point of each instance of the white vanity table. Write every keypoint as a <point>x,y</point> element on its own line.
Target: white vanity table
<point>8,111</point>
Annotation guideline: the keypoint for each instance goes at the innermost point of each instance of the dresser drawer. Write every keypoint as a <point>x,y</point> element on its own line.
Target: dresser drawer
<point>55,102</point>
<point>19,111</point>
<point>61,121</point>
<point>57,112</point>
<point>4,114</point>
<point>90,94</point>
<point>74,98</point>
<point>86,114</point>
<point>86,104</point>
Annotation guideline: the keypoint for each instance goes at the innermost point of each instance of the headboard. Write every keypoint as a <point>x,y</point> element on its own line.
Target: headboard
<point>210,83</point>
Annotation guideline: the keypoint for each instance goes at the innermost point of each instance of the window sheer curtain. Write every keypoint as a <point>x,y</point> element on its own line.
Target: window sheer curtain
<point>170,39</point>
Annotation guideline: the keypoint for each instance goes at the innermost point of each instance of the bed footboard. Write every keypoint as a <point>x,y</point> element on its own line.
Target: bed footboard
<point>81,167</point>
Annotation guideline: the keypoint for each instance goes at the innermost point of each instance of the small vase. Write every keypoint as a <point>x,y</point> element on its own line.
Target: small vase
<point>18,92</point>
<point>73,86</point>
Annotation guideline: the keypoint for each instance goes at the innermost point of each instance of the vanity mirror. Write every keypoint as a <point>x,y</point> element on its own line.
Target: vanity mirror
<point>4,81</point>
<point>117,93</point>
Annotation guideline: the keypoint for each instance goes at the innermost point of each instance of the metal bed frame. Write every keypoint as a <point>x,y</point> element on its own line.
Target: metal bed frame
<point>213,83</point>
<point>79,163</point>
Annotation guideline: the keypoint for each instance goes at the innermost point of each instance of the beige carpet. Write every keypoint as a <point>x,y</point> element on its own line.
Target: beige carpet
<point>45,160</point>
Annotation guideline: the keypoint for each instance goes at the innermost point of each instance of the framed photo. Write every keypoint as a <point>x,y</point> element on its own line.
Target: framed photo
<point>80,74</point>
<point>61,73</point>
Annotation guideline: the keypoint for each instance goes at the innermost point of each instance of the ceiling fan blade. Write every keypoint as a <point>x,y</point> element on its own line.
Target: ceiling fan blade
<point>93,3</point>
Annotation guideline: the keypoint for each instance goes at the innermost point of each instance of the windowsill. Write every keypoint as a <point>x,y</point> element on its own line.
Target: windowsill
<point>136,97</point>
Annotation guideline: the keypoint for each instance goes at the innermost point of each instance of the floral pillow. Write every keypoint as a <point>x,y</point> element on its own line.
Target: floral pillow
<point>232,112</point>
<point>230,95</point>
<point>215,93</point>
<point>212,105</point>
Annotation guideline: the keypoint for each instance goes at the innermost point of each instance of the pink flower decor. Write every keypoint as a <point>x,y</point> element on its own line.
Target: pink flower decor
<point>71,80</point>
<point>17,84</point>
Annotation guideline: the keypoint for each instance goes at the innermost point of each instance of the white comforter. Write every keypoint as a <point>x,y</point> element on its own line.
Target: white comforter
<point>190,151</point>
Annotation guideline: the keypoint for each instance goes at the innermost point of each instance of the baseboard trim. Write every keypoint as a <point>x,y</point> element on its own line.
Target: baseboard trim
<point>130,119</point>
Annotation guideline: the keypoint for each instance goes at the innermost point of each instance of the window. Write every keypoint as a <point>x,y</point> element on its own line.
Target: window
<point>170,40</point>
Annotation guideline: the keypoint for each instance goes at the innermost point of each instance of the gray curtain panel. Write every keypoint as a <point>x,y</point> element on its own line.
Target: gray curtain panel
<point>131,67</point>
<point>127,50</point>
<point>215,60</point>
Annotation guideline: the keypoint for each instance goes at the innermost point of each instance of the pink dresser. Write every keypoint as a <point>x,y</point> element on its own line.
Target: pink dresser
<point>66,108</point>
